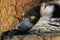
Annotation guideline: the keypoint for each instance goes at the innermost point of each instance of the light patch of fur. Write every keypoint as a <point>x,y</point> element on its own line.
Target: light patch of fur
<point>23,14</point>
<point>43,26</point>
<point>46,10</point>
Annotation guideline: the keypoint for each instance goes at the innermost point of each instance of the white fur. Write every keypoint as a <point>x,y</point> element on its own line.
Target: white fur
<point>46,10</point>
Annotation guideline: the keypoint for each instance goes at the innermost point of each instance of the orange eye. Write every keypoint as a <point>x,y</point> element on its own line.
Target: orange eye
<point>32,17</point>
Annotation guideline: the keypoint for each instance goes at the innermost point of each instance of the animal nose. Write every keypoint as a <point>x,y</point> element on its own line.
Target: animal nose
<point>25,25</point>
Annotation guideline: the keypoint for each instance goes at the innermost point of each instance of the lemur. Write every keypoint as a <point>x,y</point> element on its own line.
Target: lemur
<point>40,18</point>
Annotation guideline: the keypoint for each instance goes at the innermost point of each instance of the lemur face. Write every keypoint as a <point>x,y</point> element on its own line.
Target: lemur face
<point>30,18</point>
<point>40,15</point>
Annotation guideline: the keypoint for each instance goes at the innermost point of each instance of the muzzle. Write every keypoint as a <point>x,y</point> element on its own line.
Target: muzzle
<point>25,25</point>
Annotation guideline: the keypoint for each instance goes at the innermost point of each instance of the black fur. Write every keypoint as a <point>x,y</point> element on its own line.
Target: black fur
<point>56,12</point>
<point>35,11</point>
<point>12,33</point>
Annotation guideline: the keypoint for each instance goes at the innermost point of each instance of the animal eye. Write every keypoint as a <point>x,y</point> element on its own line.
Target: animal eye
<point>32,17</point>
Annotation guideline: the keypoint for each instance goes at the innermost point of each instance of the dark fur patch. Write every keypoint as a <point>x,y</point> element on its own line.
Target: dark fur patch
<point>56,13</point>
<point>34,11</point>
<point>12,33</point>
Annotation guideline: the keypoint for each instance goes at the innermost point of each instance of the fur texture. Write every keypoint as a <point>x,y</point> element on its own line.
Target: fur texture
<point>46,19</point>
